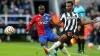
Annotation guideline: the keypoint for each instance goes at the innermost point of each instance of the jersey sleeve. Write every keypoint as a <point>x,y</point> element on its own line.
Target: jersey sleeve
<point>49,16</point>
<point>62,17</point>
<point>77,15</point>
<point>78,19</point>
<point>30,24</point>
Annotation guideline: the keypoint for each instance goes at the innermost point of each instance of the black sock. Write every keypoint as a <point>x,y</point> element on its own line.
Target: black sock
<point>79,44</point>
<point>83,42</point>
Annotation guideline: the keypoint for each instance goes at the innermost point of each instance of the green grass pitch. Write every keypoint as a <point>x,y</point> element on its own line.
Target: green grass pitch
<point>34,49</point>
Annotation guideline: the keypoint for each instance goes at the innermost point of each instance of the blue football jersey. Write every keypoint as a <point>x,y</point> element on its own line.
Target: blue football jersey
<point>80,10</point>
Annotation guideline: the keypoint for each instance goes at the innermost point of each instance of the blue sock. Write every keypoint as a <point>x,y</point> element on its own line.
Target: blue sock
<point>49,54</point>
<point>55,52</point>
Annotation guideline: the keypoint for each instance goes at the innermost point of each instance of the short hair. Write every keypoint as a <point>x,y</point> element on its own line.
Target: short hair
<point>40,6</point>
<point>70,2</point>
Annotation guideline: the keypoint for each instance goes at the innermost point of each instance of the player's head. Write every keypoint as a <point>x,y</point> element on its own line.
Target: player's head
<point>69,6</point>
<point>41,9</point>
<point>77,2</point>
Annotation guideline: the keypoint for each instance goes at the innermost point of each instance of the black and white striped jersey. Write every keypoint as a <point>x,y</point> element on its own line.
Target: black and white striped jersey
<point>70,20</point>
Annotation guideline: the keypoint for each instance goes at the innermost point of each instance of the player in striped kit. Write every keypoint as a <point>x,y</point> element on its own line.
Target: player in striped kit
<point>71,21</point>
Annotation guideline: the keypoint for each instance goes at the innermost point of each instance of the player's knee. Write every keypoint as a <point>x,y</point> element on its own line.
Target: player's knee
<point>61,46</point>
<point>63,38</point>
<point>43,43</point>
<point>56,38</point>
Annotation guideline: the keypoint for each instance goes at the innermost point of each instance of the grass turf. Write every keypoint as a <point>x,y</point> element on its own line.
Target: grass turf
<point>34,49</point>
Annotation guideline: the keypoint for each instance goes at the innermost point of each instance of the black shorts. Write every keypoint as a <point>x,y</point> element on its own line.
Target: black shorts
<point>81,32</point>
<point>69,35</point>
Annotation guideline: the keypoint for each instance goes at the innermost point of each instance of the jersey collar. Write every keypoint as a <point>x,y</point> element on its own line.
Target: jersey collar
<point>41,15</point>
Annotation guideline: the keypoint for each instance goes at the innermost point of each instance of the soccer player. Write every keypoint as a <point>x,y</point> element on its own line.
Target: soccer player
<point>71,21</point>
<point>97,32</point>
<point>81,12</point>
<point>43,22</point>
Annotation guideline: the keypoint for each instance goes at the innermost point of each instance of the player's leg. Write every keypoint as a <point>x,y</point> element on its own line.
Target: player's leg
<point>68,41</point>
<point>83,43</point>
<point>59,43</point>
<point>43,42</point>
<point>98,41</point>
<point>53,38</point>
<point>79,44</point>
<point>64,50</point>
<point>80,40</point>
<point>0,39</point>
<point>55,51</point>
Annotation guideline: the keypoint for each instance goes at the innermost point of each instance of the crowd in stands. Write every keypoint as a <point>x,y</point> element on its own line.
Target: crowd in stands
<point>15,7</point>
<point>20,7</point>
<point>93,12</point>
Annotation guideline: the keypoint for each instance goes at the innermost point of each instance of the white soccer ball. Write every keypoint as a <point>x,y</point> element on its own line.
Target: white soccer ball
<point>9,30</point>
<point>90,45</point>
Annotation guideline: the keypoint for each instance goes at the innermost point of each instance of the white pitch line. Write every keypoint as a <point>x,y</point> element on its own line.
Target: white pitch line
<point>78,54</point>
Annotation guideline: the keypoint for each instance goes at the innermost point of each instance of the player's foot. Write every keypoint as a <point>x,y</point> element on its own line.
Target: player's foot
<point>82,51</point>
<point>78,51</point>
<point>46,50</point>
<point>98,47</point>
<point>55,51</point>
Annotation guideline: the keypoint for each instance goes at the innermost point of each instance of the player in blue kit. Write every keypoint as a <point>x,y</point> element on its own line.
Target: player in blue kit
<point>43,25</point>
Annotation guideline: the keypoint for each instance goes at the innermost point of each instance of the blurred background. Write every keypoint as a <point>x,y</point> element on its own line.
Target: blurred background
<point>18,13</point>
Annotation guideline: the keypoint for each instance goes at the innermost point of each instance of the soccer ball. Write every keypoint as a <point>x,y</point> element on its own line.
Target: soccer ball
<point>90,45</point>
<point>9,30</point>
<point>73,40</point>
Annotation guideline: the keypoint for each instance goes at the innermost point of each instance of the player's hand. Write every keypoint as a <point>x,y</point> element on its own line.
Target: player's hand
<point>94,21</point>
<point>79,28</point>
<point>26,30</point>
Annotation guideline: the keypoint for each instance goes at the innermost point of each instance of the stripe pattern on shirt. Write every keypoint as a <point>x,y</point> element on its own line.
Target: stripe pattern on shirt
<point>70,21</point>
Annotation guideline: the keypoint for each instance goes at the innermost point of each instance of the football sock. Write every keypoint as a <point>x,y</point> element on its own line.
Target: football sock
<point>64,50</point>
<point>55,51</point>
<point>98,47</point>
<point>83,42</point>
<point>56,44</point>
<point>79,44</point>
<point>48,54</point>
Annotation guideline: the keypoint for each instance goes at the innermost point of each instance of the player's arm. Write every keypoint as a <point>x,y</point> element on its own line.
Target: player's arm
<point>30,24</point>
<point>56,23</point>
<point>83,22</point>
<point>59,22</point>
